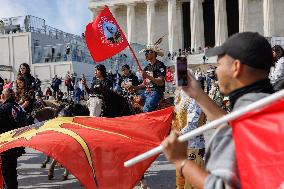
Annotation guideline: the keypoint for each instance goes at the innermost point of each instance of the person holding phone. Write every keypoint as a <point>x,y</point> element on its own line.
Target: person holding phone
<point>181,69</point>
<point>99,81</point>
<point>244,63</point>
<point>154,74</point>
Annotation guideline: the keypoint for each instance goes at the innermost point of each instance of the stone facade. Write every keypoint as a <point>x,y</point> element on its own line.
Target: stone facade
<point>155,18</point>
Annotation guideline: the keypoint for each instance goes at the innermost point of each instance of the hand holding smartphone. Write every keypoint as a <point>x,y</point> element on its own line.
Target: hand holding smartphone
<point>181,71</point>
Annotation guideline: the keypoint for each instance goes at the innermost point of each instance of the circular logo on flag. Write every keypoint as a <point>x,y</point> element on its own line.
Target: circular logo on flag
<point>111,32</point>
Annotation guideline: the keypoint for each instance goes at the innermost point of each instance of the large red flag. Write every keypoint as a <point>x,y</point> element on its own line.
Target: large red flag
<point>104,37</point>
<point>94,149</point>
<point>258,138</point>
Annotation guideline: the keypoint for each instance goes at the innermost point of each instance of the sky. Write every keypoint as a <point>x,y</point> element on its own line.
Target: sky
<point>70,16</point>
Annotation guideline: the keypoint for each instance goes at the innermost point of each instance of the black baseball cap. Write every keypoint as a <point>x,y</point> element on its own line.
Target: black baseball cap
<point>250,48</point>
<point>125,66</point>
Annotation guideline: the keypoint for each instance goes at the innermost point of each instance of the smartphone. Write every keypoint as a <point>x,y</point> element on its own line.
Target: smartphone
<point>181,71</point>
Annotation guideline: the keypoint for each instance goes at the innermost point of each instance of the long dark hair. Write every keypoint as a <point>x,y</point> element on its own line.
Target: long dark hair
<point>278,51</point>
<point>28,72</point>
<point>23,91</point>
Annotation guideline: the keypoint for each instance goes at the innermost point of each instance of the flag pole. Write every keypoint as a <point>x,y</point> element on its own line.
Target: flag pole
<point>214,124</point>
<point>140,68</point>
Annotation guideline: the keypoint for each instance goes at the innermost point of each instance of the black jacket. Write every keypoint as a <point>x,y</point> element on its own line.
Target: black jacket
<point>131,77</point>
<point>11,116</point>
<point>101,84</point>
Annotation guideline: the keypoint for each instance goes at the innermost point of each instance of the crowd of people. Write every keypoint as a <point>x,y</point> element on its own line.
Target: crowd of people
<point>243,75</point>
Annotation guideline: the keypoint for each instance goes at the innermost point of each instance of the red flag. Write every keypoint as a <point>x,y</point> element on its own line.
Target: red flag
<point>104,37</point>
<point>259,145</point>
<point>94,149</point>
<point>169,75</point>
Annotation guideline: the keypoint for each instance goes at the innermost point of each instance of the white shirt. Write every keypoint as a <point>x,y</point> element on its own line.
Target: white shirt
<point>278,70</point>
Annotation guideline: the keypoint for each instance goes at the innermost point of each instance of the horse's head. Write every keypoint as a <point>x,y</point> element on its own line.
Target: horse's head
<point>113,104</point>
<point>45,114</point>
<point>72,109</point>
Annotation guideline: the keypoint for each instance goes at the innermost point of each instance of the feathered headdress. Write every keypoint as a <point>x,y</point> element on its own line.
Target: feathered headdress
<point>155,47</point>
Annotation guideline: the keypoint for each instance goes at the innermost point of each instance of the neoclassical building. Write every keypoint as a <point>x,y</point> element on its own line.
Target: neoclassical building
<point>193,23</point>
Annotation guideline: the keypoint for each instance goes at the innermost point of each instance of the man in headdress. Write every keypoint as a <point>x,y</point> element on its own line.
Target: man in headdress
<point>154,73</point>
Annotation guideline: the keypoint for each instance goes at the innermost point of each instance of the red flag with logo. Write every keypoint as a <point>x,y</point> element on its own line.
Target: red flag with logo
<point>104,37</point>
<point>94,149</point>
<point>258,138</point>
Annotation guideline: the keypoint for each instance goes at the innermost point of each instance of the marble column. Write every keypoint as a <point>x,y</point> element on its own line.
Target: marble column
<point>113,10</point>
<point>131,22</point>
<point>171,23</point>
<point>196,24</point>
<point>95,11</point>
<point>202,37</point>
<point>150,21</point>
<point>268,18</point>
<point>243,15</point>
<point>221,28</point>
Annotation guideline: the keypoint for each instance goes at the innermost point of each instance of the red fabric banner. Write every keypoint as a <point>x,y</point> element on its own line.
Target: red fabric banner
<point>259,144</point>
<point>104,37</point>
<point>94,149</point>
<point>169,75</point>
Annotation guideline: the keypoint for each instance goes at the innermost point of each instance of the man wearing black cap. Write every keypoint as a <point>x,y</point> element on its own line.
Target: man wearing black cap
<point>100,81</point>
<point>244,64</point>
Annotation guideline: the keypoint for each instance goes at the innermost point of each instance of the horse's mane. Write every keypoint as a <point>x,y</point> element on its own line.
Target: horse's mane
<point>52,103</point>
<point>73,109</point>
<point>65,109</point>
<point>45,114</point>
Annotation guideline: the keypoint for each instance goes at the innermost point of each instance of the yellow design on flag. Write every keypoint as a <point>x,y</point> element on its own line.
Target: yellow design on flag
<point>52,125</point>
<point>93,149</point>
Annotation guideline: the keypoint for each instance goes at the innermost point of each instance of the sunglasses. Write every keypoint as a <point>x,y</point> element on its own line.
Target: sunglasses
<point>148,52</point>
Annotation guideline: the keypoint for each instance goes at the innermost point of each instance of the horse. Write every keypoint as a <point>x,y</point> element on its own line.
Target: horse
<point>104,103</point>
<point>116,105</point>
<point>110,104</point>
<point>67,110</point>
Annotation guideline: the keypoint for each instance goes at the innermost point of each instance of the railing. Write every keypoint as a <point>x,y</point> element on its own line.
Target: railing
<point>34,24</point>
<point>61,52</point>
